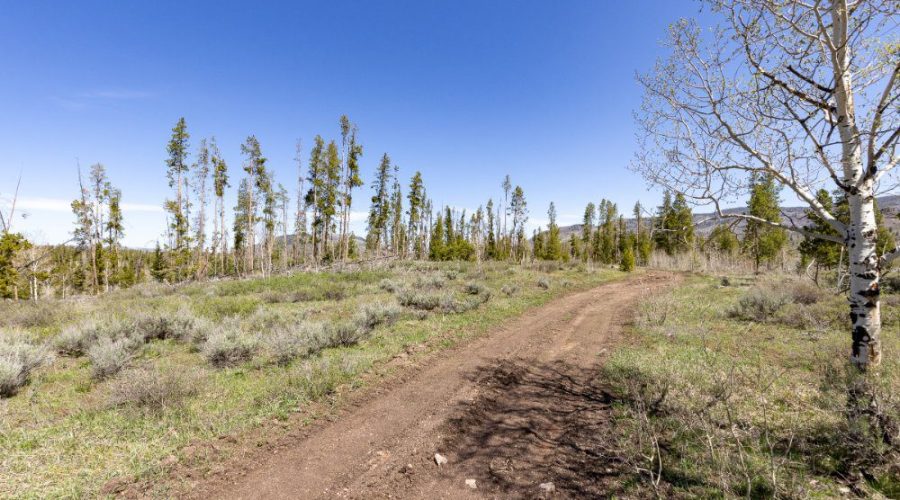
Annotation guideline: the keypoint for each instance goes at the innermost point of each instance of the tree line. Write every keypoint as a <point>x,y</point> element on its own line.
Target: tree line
<point>269,234</point>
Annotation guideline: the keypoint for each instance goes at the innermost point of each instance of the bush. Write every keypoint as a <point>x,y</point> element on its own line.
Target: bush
<point>390,285</point>
<point>802,292</point>
<point>509,290</point>
<point>229,346</point>
<point>759,304</point>
<point>655,311</point>
<point>477,289</point>
<point>419,300</point>
<point>345,333</point>
<point>286,344</point>
<point>43,314</point>
<point>451,305</point>
<point>544,282</point>
<point>109,355</point>
<point>429,281</point>
<point>372,315</point>
<point>74,340</point>
<point>180,325</point>
<point>18,359</point>
<point>151,388</point>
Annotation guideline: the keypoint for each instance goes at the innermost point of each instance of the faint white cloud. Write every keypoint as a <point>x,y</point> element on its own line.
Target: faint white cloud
<point>69,104</point>
<point>120,94</point>
<point>58,205</point>
<point>85,99</point>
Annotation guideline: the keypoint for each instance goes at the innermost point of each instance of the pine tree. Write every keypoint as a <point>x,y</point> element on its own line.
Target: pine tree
<point>627,262</point>
<point>115,230</point>
<point>507,185</point>
<point>254,166</point>
<point>177,174</point>
<point>300,230</point>
<point>587,228</point>
<point>220,184</point>
<point>201,174</point>
<point>723,240</point>
<point>661,235</point>
<point>762,241</point>
<point>519,209</point>
<point>437,246</point>
<point>11,245</point>
<point>351,179</point>
<point>282,200</point>
<point>553,247</point>
<point>241,224</point>
<point>681,224</point>
<point>416,198</point>
<point>317,180</point>
<point>396,217</point>
<point>490,237</point>
<point>380,208</point>
<point>265,188</point>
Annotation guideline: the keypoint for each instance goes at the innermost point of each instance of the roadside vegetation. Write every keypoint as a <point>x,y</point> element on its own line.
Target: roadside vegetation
<point>740,386</point>
<point>112,388</point>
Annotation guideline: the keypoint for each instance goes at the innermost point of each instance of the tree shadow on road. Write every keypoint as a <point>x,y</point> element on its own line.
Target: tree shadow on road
<point>538,423</point>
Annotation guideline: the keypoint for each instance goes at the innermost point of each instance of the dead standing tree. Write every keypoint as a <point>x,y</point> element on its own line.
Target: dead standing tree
<point>804,91</point>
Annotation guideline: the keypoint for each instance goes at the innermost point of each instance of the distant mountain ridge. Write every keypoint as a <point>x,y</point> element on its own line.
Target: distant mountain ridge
<point>706,222</point>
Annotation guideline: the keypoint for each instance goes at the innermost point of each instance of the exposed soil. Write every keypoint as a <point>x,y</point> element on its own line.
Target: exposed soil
<point>519,407</point>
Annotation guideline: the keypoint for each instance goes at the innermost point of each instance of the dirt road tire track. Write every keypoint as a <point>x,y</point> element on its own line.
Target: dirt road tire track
<point>505,409</point>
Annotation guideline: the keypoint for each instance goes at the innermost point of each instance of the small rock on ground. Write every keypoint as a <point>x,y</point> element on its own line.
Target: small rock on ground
<point>440,459</point>
<point>548,487</point>
<point>471,483</point>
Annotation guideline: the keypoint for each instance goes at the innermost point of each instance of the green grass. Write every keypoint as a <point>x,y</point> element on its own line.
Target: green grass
<point>60,436</point>
<point>720,406</point>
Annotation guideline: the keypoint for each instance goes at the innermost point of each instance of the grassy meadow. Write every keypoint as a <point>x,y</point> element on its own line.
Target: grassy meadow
<point>741,387</point>
<point>97,389</point>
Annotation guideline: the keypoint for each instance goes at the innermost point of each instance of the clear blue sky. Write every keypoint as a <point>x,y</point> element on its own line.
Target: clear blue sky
<point>465,91</point>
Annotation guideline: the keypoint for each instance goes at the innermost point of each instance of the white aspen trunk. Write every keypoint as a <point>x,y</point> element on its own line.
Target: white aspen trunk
<point>865,273</point>
<point>862,232</point>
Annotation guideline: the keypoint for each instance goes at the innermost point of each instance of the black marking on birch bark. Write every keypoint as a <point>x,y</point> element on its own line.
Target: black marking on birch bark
<point>868,275</point>
<point>860,340</point>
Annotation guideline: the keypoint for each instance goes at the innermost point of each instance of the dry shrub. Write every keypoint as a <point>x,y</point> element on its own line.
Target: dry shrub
<point>429,281</point>
<point>18,359</point>
<point>344,334</point>
<point>544,282</point>
<point>419,300</point>
<point>286,344</point>
<point>509,289</point>
<point>476,289</point>
<point>759,304</point>
<point>391,286</point>
<point>229,346</point>
<point>451,305</point>
<point>805,293</point>
<point>867,435</point>
<point>74,340</point>
<point>109,355</point>
<point>181,325</point>
<point>549,266</point>
<point>152,389</point>
<point>655,311</point>
<point>43,314</point>
<point>372,315</point>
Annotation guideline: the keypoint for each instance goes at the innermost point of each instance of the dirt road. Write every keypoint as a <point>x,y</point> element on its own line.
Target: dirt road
<point>519,408</point>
